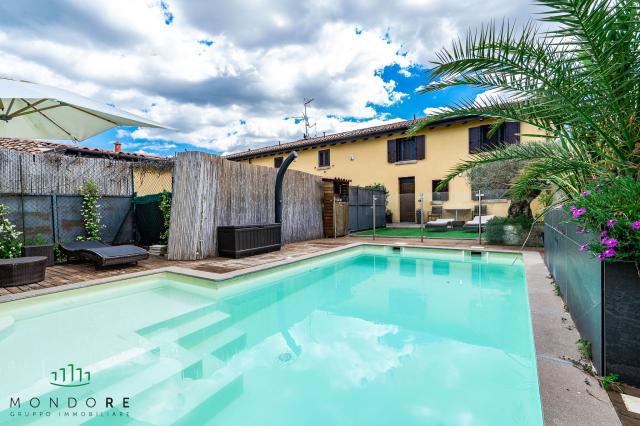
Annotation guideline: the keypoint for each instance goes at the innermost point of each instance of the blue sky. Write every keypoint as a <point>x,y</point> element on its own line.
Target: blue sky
<point>230,76</point>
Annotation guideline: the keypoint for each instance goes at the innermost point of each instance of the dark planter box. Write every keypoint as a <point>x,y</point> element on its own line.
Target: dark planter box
<point>388,217</point>
<point>246,240</point>
<point>602,297</point>
<point>41,250</point>
<point>621,325</point>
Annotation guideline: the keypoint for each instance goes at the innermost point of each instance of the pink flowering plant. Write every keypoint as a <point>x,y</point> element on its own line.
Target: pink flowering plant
<point>609,209</point>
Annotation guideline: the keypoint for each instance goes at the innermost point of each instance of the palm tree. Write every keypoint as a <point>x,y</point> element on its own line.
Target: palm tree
<point>578,80</point>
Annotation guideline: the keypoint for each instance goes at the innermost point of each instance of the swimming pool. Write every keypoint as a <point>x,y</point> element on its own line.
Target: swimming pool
<point>370,335</point>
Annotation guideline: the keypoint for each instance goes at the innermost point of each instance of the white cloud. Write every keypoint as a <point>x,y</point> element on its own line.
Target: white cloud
<point>492,95</point>
<point>228,76</point>
<point>435,110</point>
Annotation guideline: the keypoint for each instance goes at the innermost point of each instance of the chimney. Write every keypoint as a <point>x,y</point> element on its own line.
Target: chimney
<point>117,146</point>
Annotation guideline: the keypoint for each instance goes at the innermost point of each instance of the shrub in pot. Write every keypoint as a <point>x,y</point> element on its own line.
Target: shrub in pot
<point>607,213</point>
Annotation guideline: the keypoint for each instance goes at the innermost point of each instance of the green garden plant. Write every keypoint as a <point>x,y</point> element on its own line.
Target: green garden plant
<point>611,381</point>
<point>58,255</point>
<point>36,240</point>
<point>584,347</point>
<point>577,81</point>
<point>10,244</point>
<point>608,210</point>
<point>91,217</point>
<point>165,208</point>
<point>495,228</point>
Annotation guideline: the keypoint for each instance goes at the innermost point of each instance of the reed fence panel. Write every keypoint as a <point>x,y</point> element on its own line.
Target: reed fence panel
<point>210,191</point>
<point>24,173</point>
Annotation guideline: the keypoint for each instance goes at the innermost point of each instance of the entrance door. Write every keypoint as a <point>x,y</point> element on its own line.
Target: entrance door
<point>407,199</point>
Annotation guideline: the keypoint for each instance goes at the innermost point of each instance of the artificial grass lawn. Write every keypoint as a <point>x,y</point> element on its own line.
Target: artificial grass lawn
<point>415,232</point>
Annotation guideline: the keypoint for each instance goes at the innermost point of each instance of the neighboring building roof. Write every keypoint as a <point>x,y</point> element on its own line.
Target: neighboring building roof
<point>400,126</point>
<point>33,146</point>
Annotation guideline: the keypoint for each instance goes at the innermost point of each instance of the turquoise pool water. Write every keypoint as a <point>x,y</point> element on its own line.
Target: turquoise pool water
<point>365,337</point>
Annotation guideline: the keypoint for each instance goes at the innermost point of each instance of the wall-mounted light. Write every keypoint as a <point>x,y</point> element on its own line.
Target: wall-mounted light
<point>352,157</point>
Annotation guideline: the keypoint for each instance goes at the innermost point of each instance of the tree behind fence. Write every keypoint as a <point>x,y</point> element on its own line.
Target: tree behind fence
<point>210,191</point>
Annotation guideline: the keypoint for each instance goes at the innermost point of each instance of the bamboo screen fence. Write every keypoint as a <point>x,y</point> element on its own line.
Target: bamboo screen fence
<point>24,173</point>
<point>210,191</point>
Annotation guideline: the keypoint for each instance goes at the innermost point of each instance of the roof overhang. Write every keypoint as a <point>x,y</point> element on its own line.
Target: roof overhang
<point>350,136</point>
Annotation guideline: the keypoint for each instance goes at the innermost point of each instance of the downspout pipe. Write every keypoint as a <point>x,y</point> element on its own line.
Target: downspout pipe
<point>281,171</point>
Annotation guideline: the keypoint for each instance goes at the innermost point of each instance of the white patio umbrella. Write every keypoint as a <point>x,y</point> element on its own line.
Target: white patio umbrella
<point>38,111</point>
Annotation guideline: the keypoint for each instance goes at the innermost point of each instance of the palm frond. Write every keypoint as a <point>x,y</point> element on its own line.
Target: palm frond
<point>578,81</point>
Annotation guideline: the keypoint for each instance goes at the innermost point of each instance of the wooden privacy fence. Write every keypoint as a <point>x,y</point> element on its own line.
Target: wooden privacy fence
<point>210,191</point>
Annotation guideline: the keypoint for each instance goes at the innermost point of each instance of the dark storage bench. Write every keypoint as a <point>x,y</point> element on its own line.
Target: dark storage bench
<point>22,270</point>
<point>246,240</point>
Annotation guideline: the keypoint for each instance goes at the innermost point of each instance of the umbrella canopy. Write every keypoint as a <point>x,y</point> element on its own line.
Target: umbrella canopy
<point>38,111</point>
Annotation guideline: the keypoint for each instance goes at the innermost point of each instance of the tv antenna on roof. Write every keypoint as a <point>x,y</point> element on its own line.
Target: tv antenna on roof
<point>305,118</point>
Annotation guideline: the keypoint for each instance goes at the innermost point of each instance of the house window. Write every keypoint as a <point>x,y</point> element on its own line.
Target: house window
<point>277,162</point>
<point>324,159</point>
<point>480,140</point>
<point>406,149</point>
<point>441,195</point>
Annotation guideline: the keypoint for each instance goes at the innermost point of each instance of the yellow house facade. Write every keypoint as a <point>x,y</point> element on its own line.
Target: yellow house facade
<point>148,182</point>
<point>406,165</point>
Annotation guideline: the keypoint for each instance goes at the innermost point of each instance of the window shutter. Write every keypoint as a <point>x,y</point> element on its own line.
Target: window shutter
<point>391,151</point>
<point>420,151</point>
<point>475,139</point>
<point>495,139</point>
<point>512,132</point>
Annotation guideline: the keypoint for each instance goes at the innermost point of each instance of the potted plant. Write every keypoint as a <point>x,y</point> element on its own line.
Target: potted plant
<point>600,234</point>
<point>38,246</point>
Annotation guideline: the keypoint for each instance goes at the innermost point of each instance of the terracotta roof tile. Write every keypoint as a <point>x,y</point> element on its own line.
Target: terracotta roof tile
<point>34,146</point>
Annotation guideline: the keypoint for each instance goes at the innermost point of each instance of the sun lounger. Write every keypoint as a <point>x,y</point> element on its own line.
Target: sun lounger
<point>473,224</point>
<point>102,254</point>
<point>439,224</point>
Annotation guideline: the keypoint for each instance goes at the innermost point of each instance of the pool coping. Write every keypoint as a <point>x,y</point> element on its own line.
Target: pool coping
<point>568,395</point>
<point>216,276</point>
